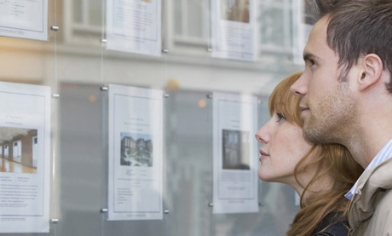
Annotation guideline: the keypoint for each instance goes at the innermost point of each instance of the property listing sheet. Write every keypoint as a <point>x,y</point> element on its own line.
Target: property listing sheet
<point>24,19</point>
<point>134,26</point>
<point>135,153</point>
<point>24,158</point>
<point>234,29</point>
<point>235,162</point>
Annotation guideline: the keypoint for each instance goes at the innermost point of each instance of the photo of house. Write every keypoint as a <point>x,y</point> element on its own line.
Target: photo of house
<point>136,150</point>
<point>235,149</point>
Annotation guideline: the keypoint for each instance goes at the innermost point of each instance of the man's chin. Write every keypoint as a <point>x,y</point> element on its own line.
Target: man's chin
<point>310,133</point>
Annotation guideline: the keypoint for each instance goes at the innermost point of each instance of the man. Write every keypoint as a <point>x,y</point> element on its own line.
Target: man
<point>346,98</point>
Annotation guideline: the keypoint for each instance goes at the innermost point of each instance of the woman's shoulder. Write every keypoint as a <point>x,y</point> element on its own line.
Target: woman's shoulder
<point>334,224</point>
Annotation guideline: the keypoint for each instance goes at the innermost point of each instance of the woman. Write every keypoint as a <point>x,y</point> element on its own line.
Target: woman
<point>320,174</point>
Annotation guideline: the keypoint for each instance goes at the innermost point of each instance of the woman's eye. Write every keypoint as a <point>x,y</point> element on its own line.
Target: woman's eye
<point>280,116</point>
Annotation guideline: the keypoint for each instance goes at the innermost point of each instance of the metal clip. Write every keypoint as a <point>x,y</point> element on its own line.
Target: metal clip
<point>166,211</point>
<point>165,50</point>
<point>54,28</point>
<point>54,221</point>
<point>210,204</point>
<point>104,88</point>
<point>103,210</point>
<point>55,95</point>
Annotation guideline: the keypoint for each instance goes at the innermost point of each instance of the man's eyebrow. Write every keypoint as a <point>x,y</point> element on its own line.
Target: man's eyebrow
<point>308,56</point>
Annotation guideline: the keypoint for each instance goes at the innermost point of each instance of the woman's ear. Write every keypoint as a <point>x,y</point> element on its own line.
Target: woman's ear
<point>371,71</point>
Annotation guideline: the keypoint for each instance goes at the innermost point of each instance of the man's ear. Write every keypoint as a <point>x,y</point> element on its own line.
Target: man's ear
<point>371,71</point>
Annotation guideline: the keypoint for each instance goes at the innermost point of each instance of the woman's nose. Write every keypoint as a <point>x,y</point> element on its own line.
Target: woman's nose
<point>261,136</point>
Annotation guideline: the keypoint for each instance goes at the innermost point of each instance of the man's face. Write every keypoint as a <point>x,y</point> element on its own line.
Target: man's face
<point>326,102</point>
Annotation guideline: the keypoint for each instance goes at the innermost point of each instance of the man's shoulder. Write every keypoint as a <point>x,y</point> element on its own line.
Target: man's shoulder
<point>380,222</point>
<point>370,212</point>
<point>376,178</point>
<point>385,202</point>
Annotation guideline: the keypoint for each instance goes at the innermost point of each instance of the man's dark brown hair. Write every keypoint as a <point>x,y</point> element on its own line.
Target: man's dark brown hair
<point>357,28</point>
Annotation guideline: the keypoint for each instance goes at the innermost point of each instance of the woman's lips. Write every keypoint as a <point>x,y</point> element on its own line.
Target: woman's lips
<point>263,155</point>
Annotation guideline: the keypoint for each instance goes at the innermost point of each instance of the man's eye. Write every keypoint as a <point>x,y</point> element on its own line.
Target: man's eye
<point>310,62</point>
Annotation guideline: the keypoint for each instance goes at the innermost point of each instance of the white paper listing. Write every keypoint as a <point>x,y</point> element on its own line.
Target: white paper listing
<point>24,158</point>
<point>235,162</point>
<point>134,26</point>
<point>234,29</point>
<point>24,19</point>
<point>135,153</point>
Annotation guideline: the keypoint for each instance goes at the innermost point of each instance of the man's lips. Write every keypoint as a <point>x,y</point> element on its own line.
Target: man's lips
<point>303,108</point>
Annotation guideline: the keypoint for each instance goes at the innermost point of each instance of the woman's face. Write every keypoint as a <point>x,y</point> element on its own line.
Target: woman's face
<point>283,147</point>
